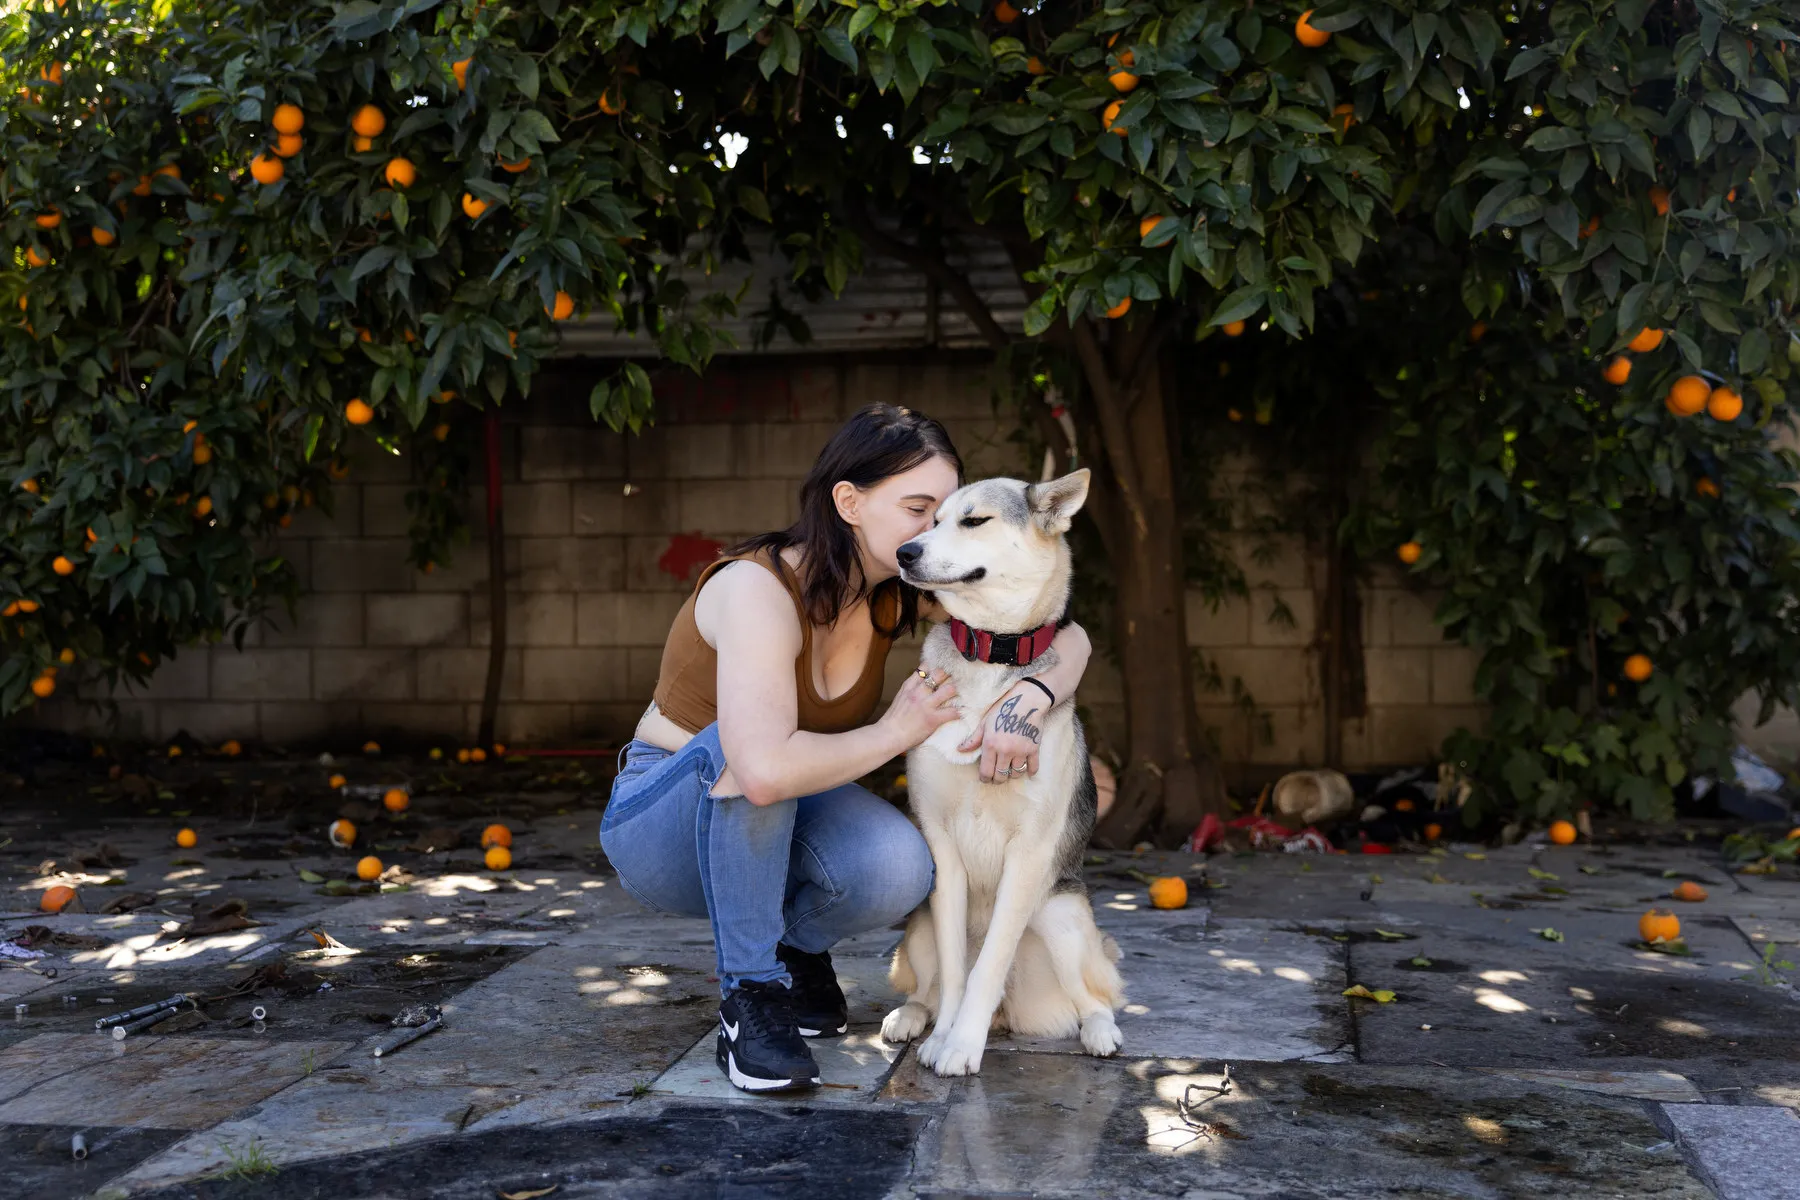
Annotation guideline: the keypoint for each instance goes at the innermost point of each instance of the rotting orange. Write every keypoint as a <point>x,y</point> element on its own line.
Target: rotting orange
<point>57,898</point>
<point>187,839</point>
<point>368,122</point>
<point>1724,404</point>
<point>1659,925</point>
<point>1563,833</point>
<point>342,833</point>
<point>1170,891</point>
<point>496,835</point>
<point>1689,891</point>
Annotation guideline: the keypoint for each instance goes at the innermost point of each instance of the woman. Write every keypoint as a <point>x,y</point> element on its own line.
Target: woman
<point>736,798</point>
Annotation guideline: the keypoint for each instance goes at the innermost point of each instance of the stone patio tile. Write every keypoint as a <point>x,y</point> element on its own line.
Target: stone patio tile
<point>852,1069</point>
<point>1760,931</point>
<point>1666,1086</point>
<point>153,1083</point>
<point>1744,1153</point>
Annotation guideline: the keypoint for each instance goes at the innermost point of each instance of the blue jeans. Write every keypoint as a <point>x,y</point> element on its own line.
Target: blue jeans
<point>808,871</point>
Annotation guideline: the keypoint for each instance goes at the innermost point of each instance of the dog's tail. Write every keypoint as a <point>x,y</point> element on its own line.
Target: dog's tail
<point>1101,976</point>
<point>900,972</point>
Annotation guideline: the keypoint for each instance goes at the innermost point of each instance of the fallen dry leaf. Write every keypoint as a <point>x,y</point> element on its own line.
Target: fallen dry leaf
<point>129,901</point>
<point>226,918</point>
<point>531,1195</point>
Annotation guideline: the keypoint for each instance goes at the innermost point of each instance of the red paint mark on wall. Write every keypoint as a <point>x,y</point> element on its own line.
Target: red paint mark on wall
<point>687,551</point>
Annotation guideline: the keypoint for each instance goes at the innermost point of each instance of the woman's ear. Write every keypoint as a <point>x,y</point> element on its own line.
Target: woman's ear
<point>848,498</point>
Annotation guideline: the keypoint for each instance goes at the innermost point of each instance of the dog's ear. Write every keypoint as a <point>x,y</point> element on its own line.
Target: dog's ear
<point>1054,504</point>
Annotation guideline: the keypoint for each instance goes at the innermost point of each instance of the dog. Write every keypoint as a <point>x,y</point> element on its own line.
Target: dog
<point>1008,854</point>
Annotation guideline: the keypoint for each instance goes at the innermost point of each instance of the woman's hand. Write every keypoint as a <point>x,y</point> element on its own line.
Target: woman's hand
<point>1009,734</point>
<point>921,706</point>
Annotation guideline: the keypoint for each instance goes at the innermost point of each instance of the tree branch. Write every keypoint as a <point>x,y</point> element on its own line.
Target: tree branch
<point>933,267</point>
<point>1109,411</point>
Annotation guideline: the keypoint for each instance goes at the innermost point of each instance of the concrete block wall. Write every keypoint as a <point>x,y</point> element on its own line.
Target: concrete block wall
<point>603,532</point>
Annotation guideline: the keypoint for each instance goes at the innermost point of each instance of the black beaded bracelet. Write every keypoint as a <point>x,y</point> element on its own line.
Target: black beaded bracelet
<point>1041,686</point>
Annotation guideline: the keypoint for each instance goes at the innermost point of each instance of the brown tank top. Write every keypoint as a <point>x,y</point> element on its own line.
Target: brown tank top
<point>687,687</point>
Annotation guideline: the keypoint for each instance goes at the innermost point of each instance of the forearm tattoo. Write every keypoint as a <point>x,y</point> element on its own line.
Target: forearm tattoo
<point>1010,721</point>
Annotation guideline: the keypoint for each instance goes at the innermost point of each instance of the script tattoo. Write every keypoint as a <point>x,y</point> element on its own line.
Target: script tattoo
<point>1008,721</point>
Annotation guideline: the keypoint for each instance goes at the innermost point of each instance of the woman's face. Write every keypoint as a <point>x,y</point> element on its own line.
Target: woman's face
<point>898,509</point>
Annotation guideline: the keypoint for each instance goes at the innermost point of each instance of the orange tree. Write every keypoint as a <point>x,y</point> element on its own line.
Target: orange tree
<point>238,231</point>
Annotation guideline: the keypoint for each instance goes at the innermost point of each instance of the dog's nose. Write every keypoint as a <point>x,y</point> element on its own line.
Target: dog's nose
<point>909,554</point>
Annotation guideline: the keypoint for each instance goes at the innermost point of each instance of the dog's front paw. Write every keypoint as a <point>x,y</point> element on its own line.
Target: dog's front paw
<point>933,1046</point>
<point>904,1023</point>
<point>959,1056</point>
<point>1100,1035</point>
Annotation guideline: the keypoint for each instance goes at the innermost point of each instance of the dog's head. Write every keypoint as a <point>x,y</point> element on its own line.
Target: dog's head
<point>996,557</point>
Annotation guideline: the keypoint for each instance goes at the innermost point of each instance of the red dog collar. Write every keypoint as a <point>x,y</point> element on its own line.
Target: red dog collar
<point>1012,649</point>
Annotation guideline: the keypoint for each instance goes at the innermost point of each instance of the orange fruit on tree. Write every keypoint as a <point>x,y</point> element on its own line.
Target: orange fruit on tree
<point>1122,81</point>
<point>61,565</point>
<point>1638,668</point>
<point>1477,331</point>
<point>1005,13</point>
<point>1724,404</point>
<point>562,307</point>
<point>1647,339</point>
<point>1306,35</point>
<point>1659,925</point>
<point>498,858</point>
<point>1618,370</point>
<point>395,800</point>
<point>1346,114</point>
<point>1659,200</point>
<point>187,839</point>
<point>358,413</point>
<point>513,168</point>
<point>496,835</point>
<point>1706,487</point>
<point>472,207</point>
<point>440,432</point>
<point>1148,223</point>
<point>1563,833</point>
<point>267,169</point>
<point>27,606</point>
<point>342,833</point>
<point>48,220</point>
<point>462,756</point>
<point>67,656</point>
<point>52,73</point>
<point>336,781</point>
<point>169,169</point>
<point>1793,834</point>
<point>143,186</point>
<point>477,754</point>
<point>362,145</point>
<point>103,236</point>
<point>42,687</point>
<point>400,173</point>
<point>368,121</point>
<point>1689,891</point>
<point>368,868</point>
<point>612,100</point>
<point>288,144</point>
<point>1110,116</point>
<point>288,118</point>
<point>202,454</point>
<point>460,69</point>
<point>371,747</point>
<point>1410,552</point>
<point>35,257</point>
<point>1034,65</point>
<point>1232,328</point>
<point>1120,309</point>
<point>1688,395</point>
<point>1170,891</point>
<point>1127,59</point>
<point>55,899</point>
<point>231,748</point>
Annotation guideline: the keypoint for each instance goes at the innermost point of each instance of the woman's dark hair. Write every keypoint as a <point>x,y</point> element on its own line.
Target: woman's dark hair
<point>879,442</point>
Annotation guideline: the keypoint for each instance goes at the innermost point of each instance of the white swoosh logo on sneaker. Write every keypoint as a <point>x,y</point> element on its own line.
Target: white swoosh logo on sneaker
<point>730,1030</point>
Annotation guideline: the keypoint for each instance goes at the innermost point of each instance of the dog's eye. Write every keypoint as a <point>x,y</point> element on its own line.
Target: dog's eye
<point>972,522</point>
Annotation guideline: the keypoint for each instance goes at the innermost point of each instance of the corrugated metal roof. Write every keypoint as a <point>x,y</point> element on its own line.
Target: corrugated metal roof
<point>889,306</point>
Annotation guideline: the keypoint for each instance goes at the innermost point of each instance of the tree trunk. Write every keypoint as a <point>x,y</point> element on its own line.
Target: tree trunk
<point>1171,779</point>
<point>496,548</point>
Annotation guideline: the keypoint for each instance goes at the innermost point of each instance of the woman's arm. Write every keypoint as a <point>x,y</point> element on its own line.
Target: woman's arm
<point>749,617</point>
<point>1007,736</point>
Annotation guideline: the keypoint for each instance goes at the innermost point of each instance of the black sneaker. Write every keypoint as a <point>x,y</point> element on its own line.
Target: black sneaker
<point>819,1005</point>
<point>760,1048</point>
